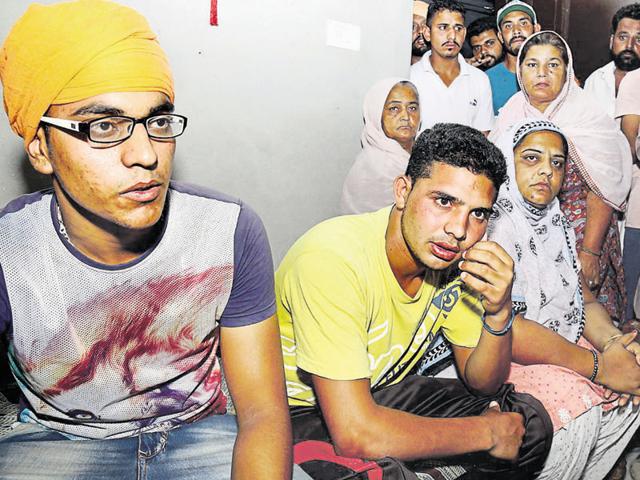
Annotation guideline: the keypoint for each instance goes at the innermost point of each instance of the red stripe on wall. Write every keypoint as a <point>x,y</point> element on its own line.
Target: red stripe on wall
<point>213,16</point>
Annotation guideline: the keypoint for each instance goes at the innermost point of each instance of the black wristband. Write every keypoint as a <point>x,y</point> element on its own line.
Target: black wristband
<point>593,376</point>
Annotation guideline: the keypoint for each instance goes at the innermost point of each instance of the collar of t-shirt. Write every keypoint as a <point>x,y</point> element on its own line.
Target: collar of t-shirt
<point>465,68</point>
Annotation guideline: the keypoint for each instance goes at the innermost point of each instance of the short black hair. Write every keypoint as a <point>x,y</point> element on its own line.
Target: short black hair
<point>481,25</point>
<point>547,38</point>
<point>438,5</point>
<point>628,11</point>
<point>459,146</point>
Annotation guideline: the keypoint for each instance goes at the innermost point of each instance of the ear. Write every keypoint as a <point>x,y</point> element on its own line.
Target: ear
<point>38,152</point>
<point>427,33</point>
<point>401,189</point>
<point>500,37</point>
<point>537,28</point>
<point>611,42</point>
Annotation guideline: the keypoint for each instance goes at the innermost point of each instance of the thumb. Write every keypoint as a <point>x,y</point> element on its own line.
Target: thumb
<point>494,406</point>
<point>627,338</point>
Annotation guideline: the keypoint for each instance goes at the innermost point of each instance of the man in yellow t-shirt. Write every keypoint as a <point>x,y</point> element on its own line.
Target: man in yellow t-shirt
<point>360,297</point>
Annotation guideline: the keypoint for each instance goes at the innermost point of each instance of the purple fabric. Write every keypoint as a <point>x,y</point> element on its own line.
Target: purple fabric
<point>5,308</point>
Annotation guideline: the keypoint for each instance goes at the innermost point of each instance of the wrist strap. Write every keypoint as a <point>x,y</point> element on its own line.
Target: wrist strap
<point>593,376</point>
<point>498,333</point>
<point>590,252</point>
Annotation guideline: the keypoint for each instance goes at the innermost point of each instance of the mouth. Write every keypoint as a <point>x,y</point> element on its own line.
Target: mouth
<point>517,40</point>
<point>450,45</point>
<point>542,186</point>
<point>143,192</point>
<point>542,85</point>
<point>444,251</point>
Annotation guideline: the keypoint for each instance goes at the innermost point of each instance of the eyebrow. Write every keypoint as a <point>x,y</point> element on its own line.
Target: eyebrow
<point>531,149</point>
<point>103,109</point>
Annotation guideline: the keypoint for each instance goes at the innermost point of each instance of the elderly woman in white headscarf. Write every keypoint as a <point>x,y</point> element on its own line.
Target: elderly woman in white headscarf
<point>391,121</point>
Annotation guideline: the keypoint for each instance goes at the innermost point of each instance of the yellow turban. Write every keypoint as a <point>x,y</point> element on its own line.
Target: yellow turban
<point>70,51</point>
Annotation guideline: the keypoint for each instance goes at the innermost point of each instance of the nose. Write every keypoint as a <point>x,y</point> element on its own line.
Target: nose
<point>139,149</point>
<point>451,34</point>
<point>541,70</point>
<point>545,168</point>
<point>631,41</point>
<point>457,225</point>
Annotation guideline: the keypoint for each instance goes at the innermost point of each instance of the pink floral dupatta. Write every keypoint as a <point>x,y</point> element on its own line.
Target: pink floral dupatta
<point>596,144</point>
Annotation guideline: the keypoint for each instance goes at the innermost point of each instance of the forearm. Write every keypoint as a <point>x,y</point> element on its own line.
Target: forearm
<point>599,328</point>
<point>488,366</point>
<point>263,447</point>
<point>394,433</point>
<point>597,224</point>
<point>534,344</point>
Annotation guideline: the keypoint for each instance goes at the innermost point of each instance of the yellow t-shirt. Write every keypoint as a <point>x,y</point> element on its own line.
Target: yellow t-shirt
<point>344,316</point>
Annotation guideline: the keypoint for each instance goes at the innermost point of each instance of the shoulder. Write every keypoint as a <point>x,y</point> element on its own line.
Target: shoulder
<point>598,75</point>
<point>22,202</point>
<point>346,240</point>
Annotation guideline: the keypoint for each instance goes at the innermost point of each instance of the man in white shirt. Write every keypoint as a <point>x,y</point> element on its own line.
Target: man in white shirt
<point>450,90</point>
<point>624,46</point>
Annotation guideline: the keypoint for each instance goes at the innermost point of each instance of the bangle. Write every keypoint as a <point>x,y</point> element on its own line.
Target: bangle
<point>591,252</point>
<point>593,376</point>
<point>498,333</point>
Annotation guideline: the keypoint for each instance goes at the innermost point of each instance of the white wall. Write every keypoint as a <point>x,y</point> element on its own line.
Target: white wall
<point>274,114</point>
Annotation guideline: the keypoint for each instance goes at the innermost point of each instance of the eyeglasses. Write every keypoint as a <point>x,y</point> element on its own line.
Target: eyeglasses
<point>116,129</point>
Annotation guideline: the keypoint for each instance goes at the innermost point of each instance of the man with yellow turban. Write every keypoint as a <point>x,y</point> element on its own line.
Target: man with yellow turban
<point>117,285</point>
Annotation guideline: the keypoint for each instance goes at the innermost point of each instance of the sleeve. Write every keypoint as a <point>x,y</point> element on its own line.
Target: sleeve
<point>484,116</point>
<point>628,100</point>
<point>327,307</point>
<point>252,297</point>
<point>5,308</point>
<point>462,325</point>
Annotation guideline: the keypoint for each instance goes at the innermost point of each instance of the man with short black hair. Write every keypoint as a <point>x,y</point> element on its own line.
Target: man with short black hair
<point>360,297</point>
<point>516,22</point>
<point>624,47</point>
<point>450,89</point>
<point>482,36</point>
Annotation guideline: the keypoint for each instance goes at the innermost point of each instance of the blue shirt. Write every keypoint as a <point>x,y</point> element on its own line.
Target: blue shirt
<point>503,85</point>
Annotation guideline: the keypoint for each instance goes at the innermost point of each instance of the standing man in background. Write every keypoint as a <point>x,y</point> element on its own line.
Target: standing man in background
<point>419,45</point>
<point>450,89</point>
<point>516,21</point>
<point>624,46</point>
<point>482,36</point>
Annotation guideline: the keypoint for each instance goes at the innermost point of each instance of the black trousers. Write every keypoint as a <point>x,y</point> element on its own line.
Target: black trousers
<point>427,397</point>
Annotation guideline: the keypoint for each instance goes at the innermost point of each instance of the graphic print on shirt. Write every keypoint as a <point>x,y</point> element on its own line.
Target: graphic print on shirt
<point>139,330</point>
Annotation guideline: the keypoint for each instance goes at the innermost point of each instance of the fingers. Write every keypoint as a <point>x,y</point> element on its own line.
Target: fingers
<point>627,338</point>
<point>623,400</point>
<point>494,406</point>
<point>488,247</point>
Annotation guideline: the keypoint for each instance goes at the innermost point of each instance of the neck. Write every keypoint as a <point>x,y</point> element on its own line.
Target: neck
<point>540,106</point>
<point>415,59</point>
<point>447,67</point>
<point>408,272</point>
<point>407,146</point>
<point>618,76</point>
<point>100,240</point>
<point>510,62</point>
